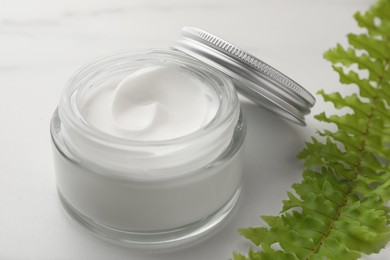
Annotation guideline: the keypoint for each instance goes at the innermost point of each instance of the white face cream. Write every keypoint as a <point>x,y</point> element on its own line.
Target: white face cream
<point>153,103</point>
<point>147,148</point>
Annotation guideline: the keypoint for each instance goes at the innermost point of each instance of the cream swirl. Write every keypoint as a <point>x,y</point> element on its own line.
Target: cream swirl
<point>153,103</point>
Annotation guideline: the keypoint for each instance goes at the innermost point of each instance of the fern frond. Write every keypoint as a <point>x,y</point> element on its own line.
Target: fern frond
<point>339,211</point>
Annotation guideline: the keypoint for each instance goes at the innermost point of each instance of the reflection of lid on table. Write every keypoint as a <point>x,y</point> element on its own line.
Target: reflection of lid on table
<point>255,79</point>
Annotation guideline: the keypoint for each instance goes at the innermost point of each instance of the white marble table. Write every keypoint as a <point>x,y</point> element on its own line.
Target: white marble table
<point>43,42</point>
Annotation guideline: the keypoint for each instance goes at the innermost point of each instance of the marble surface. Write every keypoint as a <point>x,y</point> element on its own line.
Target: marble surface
<point>43,42</point>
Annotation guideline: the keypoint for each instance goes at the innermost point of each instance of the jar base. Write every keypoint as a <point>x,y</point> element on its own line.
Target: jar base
<point>164,239</point>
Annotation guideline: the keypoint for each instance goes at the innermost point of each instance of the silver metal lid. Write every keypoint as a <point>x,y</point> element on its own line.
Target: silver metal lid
<point>253,78</point>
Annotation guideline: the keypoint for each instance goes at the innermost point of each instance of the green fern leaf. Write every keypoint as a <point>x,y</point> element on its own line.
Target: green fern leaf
<point>339,210</point>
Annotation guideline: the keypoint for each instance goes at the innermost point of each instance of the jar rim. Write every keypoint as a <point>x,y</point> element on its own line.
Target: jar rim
<point>101,150</point>
<point>75,118</point>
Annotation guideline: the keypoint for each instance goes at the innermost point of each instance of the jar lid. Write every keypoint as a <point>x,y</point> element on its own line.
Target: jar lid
<point>253,78</point>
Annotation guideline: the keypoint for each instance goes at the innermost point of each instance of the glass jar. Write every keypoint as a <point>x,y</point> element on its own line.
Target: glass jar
<point>148,193</point>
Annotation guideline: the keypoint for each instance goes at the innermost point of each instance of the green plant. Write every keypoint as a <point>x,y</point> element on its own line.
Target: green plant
<point>339,209</point>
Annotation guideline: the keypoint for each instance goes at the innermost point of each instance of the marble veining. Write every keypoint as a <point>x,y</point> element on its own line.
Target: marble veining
<point>43,42</point>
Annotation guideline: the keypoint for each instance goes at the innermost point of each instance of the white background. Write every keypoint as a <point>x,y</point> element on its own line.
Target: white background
<point>43,42</point>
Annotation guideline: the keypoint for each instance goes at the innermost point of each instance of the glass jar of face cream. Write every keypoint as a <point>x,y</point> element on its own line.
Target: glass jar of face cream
<point>148,144</point>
